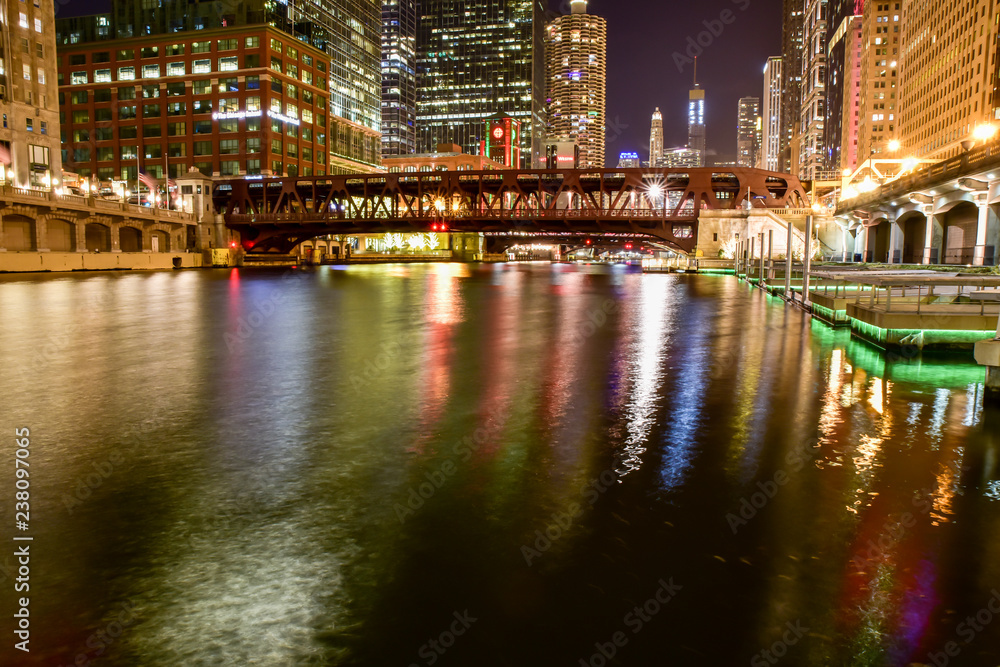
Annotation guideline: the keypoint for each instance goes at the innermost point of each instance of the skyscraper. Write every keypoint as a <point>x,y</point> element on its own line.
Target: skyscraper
<point>878,100</point>
<point>746,131</point>
<point>812,112</point>
<point>791,68</point>
<point>399,77</point>
<point>576,73</point>
<point>844,30</point>
<point>475,60</point>
<point>656,138</point>
<point>696,122</point>
<point>772,135</point>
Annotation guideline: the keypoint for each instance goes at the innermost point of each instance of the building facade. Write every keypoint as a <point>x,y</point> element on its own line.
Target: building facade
<point>747,138</point>
<point>628,160</point>
<point>576,48</point>
<point>772,115</point>
<point>682,156</point>
<point>447,157</point>
<point>948,73</point>
<point>231,101</point>
<point>878,102</point>
<point>656,138</point>
<point>791,58</point>
<point>843,40</point>
<point>812,92</point>
<point>346,35</point>
<point>399,77</point>
<point>844,107</point>
<point>474,59</point>
<point>696,122</point>
<point>29,133</point>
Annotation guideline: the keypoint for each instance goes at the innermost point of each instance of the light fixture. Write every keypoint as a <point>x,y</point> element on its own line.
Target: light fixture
<point>984,131</point>
<point>893,145</point>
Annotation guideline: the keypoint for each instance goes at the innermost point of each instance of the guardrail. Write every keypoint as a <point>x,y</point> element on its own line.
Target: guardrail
<point>77,202</point>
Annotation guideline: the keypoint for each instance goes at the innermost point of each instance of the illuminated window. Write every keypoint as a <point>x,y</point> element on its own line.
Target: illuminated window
<point>126,73</point>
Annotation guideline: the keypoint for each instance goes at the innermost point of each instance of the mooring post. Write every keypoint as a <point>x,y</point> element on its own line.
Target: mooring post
<point>788,265</point>
<point>807,261</point>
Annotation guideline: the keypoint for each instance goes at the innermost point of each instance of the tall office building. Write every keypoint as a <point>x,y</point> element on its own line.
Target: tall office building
<point>948,79</point>
<point>746,131</point>
<point>696,122</point>
<point>842,83</point>
<point>772,113</point>
<point>812,113</point>
<point>656,138</point>
<point>878,102</point>
<point>347,33</point>
<point>576,48</point>
<point>791,68</point>
<point>29,97</point>
<point>399,77</point>
<point>477,59</point>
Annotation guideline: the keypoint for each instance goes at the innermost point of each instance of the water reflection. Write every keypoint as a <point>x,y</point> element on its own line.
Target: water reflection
<point>322,467</point>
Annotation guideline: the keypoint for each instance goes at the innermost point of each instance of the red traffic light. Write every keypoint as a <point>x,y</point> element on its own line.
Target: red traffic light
<point>587,241</point>
<point>628,246</point>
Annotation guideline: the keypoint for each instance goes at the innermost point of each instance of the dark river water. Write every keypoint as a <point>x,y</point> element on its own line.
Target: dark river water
<point>485,465</point>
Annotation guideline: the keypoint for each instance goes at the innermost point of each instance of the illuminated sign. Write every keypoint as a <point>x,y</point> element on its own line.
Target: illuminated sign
<point>498,132</point>
<point>230,115</point>
<point>282,117</point>
<point>628,156</point>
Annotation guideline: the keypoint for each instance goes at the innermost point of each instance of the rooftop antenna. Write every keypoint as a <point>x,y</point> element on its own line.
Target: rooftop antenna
<point>696,71</point>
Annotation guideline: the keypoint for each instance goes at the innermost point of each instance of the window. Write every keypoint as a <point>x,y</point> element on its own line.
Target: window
<point>201,87</point>
<point>104,134</point>
<point>201,47</point>
<point>150,71</point>
<point>201,106</point>
<point>252,42</point>
<point>176,69</point>
<point>38,25</point>
<point>74,78</point>
<point>126,112</point>
<point>307,116</point>
<point>126,54</point>
<point>229,167</point>
<point>23,20</point>
<point>128,132</point>
<point>126,93</point>
<point>203,148</point>
<point>149,52</point>
<point>204,167</point>
<point>253,103</point>
<point>228,125</point>
<point>293,170</point>
<point>79,97</point>
<point>276,64</point>
<point>176,129</point>
<point>253,166</point>
<point>102,115</point>
<point>276,146</point>
<point>102,76</point>
<point>230,85</point>
<point>292,91</point>
<point>76,58</point>
<point>229,146</point>
<point>307,153</point>
<point>253,145</point>
<point>307,60</point>
<point>177,150</point>
<point>105,173</point>
<point>253,124</point>
<point>227,44</point>
<point>81,116</point>
<point>251,60</point>
<point>320,158</point>
<point>80,136</point>
<point>126,73</point>
<point>201,66</point>
<point>203,127</point>
<point>292,131</point>
<point>276,86</point>
<point>176,108</point>
<point>102,95</point>
<point>292,71</point>
<point>150,110</point>
<point>253,83</point>
<point>276,167</point>
<point>81,154</point>
<point>229,64</point>
<point>292,111</point>
<point>40,53</point>
<point>26,69</point>
<point>275,105</point>
<point>152,130</point>
<point>176,88</point>
<point>150,91</point>
<point>275,45</point>
<point>292,53</point>
<point>28,125</point>
<point>105,154</point>
<point>129,152</point>
<point>307,77</point>
<point>24,46</point>
<point>307,134</point>
<point>175,50</point>
<point>154,151</point>
<point>227,104</point>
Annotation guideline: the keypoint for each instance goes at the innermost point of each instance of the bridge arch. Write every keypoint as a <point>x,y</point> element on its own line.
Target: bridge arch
<point>60,235</point>
<point>97,237</point>
<point>19,232</point>
<point>913,224</point>
<point>129,239</point>
<point>877,239</point>
<point>958,233</point>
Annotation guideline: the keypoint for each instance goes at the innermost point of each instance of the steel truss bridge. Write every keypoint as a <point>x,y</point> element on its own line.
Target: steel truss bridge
<point>274,214</point>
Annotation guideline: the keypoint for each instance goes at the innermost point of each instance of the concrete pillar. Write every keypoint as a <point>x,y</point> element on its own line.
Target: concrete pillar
<point>788,264</point>
<point>861,243</point>
<point>770,255</point>
<point>984,218</point>
<point>3,247</point>
<point>895,242</point>
<point>41,234</point>
<point>115,238</point>
<point>933,238</point>
<point>80,230</point>
<point>807,260</point>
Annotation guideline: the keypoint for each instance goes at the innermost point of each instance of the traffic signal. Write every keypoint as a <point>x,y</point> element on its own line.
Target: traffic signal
<point>587,241</point>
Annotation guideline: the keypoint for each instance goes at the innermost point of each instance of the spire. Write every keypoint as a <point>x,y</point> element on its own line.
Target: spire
<point>696,71</point>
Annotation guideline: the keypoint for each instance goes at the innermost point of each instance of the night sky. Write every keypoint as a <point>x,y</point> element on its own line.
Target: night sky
<point>643,36</point>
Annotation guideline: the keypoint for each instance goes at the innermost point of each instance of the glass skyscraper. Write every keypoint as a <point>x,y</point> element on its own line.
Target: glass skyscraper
<point>475,60</point>
<point>399,77</point>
